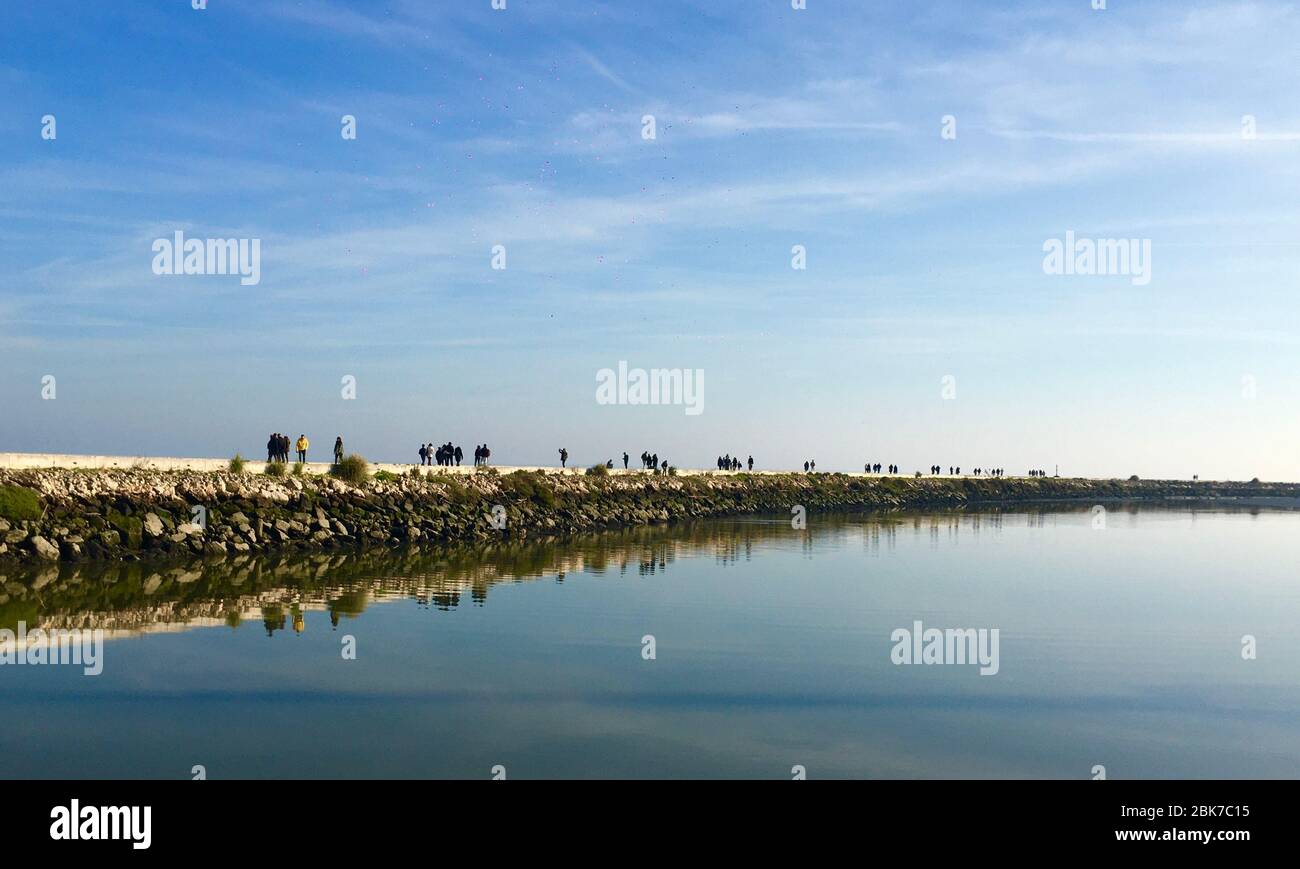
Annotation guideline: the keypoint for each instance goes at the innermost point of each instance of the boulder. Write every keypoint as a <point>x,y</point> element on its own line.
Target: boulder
<point>44,549</point>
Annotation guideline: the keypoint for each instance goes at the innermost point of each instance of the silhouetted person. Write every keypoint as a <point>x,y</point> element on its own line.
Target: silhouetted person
<point>625,460</point>
<point>564,456</point>
<point>751,463</point>
<point>805,467</point>
<point>460,454</point>
<point>338,450</point>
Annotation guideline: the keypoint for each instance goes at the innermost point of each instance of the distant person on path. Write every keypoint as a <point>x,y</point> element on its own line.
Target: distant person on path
<point>303,445</point>
<point>805,467</point>
<point>272,444</point>
<point>564,457</point>
<point>460,455</point>
<point>751,463</point>
<point>338,450</point>
<point>424,455</point>
<point>625,457</point>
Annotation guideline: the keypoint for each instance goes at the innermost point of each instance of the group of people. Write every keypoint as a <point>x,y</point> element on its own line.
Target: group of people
<point>445,455</point>
<point>650,461</point>
<point>277,448</point>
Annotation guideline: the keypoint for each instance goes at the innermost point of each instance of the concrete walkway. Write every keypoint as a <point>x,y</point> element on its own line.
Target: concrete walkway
<point>21,461</point>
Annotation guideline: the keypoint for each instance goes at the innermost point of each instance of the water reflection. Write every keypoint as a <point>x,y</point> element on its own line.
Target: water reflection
<point>275,591</point>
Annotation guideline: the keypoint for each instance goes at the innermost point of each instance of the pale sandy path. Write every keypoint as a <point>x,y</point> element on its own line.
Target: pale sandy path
<point>20,461</point>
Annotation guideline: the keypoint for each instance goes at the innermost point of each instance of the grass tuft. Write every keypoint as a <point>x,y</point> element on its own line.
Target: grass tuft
<point>17,503</point>
<point>353,469</point>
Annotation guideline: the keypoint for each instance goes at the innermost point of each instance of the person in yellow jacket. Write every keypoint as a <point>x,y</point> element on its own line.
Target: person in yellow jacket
<point>302,445</point>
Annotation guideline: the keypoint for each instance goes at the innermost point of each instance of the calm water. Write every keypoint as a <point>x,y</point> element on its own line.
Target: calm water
<point>1120,647</point>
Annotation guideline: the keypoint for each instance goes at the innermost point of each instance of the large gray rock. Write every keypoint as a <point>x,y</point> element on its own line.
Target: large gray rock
<point>44,549</point>
<point>153,526</point>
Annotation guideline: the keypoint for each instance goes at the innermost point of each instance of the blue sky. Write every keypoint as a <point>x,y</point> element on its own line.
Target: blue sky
<point>775,128</point>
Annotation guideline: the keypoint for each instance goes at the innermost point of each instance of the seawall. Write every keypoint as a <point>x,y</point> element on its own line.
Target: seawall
<point>137,513</point>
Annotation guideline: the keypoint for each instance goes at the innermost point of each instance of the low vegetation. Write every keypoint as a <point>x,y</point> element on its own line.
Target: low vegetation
<point>353,469</point>
<point>18,504</point>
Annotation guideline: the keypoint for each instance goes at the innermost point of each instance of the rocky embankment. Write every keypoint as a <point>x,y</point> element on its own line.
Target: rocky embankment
<point>129,514</point>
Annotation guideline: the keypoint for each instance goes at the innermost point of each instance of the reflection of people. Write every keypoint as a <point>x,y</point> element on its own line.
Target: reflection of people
<point>298,624</point>
<point>272,619</point>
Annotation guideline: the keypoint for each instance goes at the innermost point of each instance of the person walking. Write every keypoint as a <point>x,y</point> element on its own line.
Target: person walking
<point>303,446</point>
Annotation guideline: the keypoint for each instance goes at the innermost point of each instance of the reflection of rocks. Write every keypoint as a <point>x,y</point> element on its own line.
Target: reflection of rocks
<point>130,514</point>
<point>275,591</point>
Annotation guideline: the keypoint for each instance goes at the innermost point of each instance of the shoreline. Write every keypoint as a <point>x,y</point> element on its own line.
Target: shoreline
<point>130,514</point>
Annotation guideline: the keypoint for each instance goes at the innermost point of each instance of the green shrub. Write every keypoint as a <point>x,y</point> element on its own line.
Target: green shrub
<point>457,492</point>
<point>237,464</point>
<point>299,468</point>
<point>275,469</point>
<point>386,476</point>
<point>598,471</point>
<point>17,503</point>
<point>529,486</point>
<point>353,469</point>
